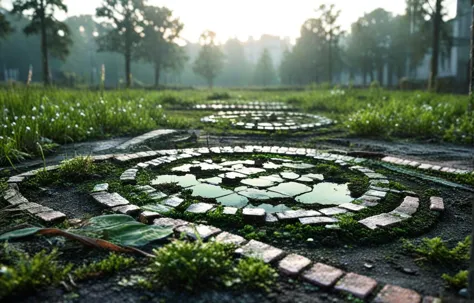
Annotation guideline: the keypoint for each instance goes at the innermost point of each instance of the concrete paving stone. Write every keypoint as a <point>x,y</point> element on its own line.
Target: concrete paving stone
<point>409,206</point>
<point>169,222</point>
<point>317,220</point>
<point>10,193</point>
<point>378,181</point>
<point>260,250</point>
<point>322,275</point>
<point>352,207</point>
<point>17,199</point>
<point>296,214</point>
<point>228,238</point>
<point>146,217</point>
<point>128,209</point>
<point>16,179</point>
<point>145,188</point>
<point>369,200</point>
<point>254,214</point>
<point>200,208</point>
<point>332,211</point>
<point>381,220</point>
<point>357,285</point>
<point>100,187</point>
<point>270,218</point>
<point>51,216</point>
<point>375,176</point>
<point>396,294</point>
<point>436,203</point>
<point>109,199</point>
<point>425,166</point>
<point>293,264</point>
<point>173,201</point>
<point>414,164</point>
<point>376,193</point>
<point>198,231</point>
<point>436,167</point>
<point>230,210</point>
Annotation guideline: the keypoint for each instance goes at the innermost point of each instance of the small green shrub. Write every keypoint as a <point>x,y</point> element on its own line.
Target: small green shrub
<point>77,168</point>
<point>436,251</point>
<point>252,273</point>
<point>113,263</point>
<point>358,187</point>
<point>457,281</point>
<point>23,273</point>
<point>192,264</point>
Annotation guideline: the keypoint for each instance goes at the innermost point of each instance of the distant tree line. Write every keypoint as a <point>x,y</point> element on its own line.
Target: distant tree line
<point>137,42</point>
<point>378,40</point>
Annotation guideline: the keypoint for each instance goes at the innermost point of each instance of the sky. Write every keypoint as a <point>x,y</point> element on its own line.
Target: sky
<point>244,18</point>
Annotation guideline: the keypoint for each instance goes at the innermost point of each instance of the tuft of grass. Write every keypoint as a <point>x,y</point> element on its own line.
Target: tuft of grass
<point>77,168</point>
<point>20,272</point>
<point>457,281</point>
<point>252,273</point>
<point>435,250</point>
<point>197,265</point>
<point>113,263</point>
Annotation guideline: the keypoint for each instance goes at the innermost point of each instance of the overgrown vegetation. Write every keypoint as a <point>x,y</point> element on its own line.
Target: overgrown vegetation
<point>197,265</point>
<point>77,168</point>
<point>435,250</point>
<point>20,272</point>
<point>457,281</point>
<point>113,263</point>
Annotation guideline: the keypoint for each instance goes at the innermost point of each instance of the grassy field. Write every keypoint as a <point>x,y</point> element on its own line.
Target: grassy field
<point>37,117</point>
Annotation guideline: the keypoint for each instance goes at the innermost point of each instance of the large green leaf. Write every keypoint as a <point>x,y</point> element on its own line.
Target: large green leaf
<point>19,233</point>
<point>119,229</point>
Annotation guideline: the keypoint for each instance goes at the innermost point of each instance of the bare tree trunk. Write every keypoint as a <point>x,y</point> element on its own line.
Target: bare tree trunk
<point>435,55</point>
<point>44,45</point>
<point>330,58</point>
<point>128,72</point>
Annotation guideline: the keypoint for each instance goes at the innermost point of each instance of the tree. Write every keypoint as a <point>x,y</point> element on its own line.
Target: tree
<point>54,34</point>
<point>5,27</point>
<point>210,59</point>
<point>126,18</point>
<point>158,45</point>
<point>265,71</point>
<point>328,16</point>
<point>237,70</point>
<point>437,19</point>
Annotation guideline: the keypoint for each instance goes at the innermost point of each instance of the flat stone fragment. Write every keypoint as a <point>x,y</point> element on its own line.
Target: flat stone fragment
<point>260,250</point>
<point>254,214</point>
<point>173,201</point>
<point>436,203</point>
<point>270,218</point>
<point>100,187</point>
<point>296,214</point>
<point>396,294</point>
<point>230,210</point>
<point>15,179</point>
<point>352,207</point>
<point>382,220</point>
<point>128,209</point>
<point>331,211</point>
<point>408,207</point>
<point>169,222</point>
<point>293,264</point>
<point>17,199</point>
<point>110,199</point>
<point>375,176</point>
<point>376,193</point>
<point>228,238</point>
<point>147,217</point>
<point>317,220</point>
<point>51,216</point>
<point>357,285</point>
<point>199,208</point>
<point>198,231</point>
<point>425,166</point>
<point>322,275</point>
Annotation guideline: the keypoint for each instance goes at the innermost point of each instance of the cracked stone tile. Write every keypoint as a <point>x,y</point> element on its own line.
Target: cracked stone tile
<point>128,209</point>
<point>296,214</point>
<point>260,250</point>
<point>109,199</point>
<point>331,211</point>
<point>51,216</point>
<point>200,208</point>
<point>317,220</point>
<point>198,231</point>
<point>228,238</point>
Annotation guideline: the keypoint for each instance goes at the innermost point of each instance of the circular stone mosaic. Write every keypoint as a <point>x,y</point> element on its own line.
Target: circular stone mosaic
<point>254,105</point>
<point>260,184</point>
<point>269,120</point>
